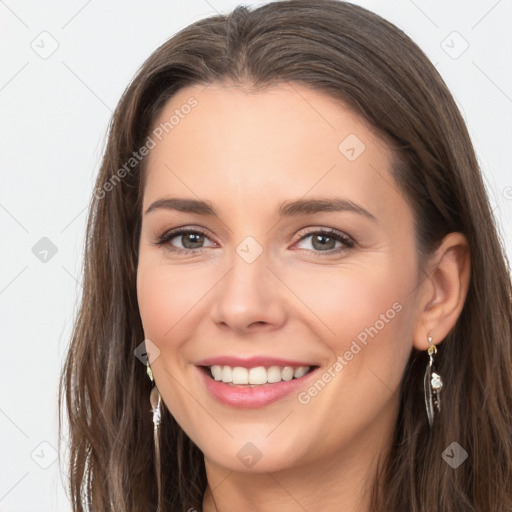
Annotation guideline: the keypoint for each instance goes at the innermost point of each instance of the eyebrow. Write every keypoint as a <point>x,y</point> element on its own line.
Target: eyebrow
<point>286,209</point>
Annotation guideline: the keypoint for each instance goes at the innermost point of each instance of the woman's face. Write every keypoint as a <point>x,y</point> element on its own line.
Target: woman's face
<point>254,281</point>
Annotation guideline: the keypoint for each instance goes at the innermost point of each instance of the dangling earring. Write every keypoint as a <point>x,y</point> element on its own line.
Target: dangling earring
<point>433,384</point>
<point>156,406</point>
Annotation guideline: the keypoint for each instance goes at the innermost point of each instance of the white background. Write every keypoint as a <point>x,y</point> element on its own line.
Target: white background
<point>54,116</point>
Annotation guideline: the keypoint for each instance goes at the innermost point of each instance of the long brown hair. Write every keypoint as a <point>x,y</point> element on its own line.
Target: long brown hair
<point>353,55</point>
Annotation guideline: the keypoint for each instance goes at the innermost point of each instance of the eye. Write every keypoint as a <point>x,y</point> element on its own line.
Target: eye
<point>325,240</point>
<point>191,240</point>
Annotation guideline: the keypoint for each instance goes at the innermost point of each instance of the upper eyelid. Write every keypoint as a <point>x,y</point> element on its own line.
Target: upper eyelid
<point>172,233</point>
<point>318,229</point>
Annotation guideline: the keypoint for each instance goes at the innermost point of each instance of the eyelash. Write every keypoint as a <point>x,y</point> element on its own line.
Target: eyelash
<point>347,241</point>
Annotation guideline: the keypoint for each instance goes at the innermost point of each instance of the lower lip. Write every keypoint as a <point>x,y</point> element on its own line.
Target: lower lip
<point>252,396</point>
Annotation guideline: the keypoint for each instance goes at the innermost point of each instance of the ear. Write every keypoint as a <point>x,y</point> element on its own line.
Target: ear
<point>443,291</point>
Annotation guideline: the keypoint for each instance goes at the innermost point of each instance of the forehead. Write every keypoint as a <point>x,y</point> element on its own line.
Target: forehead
<point>239,146</point>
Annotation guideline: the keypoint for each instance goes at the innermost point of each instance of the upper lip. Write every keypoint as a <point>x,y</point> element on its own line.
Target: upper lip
<point>250,362</point>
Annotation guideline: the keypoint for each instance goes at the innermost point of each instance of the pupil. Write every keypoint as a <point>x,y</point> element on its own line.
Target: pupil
<point>317,238</point>
<point>190,237</point>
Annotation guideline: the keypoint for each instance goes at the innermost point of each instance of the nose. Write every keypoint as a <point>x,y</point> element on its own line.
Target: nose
<point>250,298</point>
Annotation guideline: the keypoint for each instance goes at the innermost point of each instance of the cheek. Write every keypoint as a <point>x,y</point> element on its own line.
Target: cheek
<point>156,304</point>
<point>165,296</point>
<point>369,315</point>
<point>353,302</point>
<point>364,316</point>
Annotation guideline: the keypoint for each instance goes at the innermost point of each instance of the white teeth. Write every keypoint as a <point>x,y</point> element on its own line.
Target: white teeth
<point>227,374</point>
<point>300,372</point>
<point>258,375</point>
<point>216,372</point>
<point>240,375</point>
<point>274,374</point>
<point>287,373</point>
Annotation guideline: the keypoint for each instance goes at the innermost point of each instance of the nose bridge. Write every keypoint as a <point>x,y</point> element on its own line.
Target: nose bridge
<point>247,295</point>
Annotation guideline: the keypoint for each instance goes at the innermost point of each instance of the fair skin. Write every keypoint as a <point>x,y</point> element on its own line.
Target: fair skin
<point>246,153</point>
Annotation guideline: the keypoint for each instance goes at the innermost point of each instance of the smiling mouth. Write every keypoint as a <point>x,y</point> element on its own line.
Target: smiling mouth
<point>257,376</point>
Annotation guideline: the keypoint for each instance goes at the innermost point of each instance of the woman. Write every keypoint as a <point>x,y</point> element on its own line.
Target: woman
<point>291,232</point>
